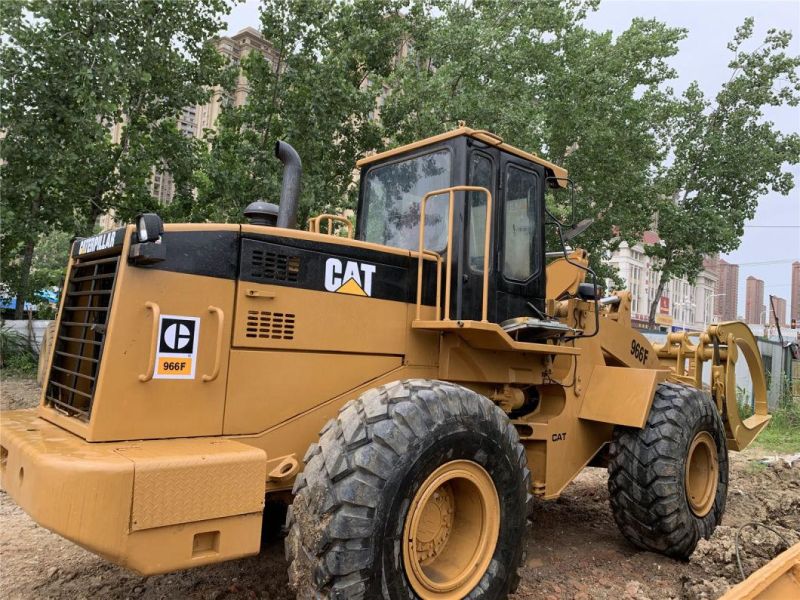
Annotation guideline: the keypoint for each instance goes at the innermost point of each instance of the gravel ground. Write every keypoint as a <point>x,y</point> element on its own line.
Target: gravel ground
<point>574,550</point>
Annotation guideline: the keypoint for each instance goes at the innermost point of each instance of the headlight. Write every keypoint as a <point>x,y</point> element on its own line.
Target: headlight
<point>149,227</point>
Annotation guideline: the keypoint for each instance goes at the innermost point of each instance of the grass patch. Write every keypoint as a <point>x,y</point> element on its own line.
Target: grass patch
<point>783,433</point>
<point>23,366</point>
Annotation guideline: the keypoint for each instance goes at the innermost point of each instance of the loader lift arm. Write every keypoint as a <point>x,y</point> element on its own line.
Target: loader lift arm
<point>720,345</point>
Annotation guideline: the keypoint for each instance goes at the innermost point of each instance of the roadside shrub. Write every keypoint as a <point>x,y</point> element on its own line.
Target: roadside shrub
<point>21,365</point>
<point>17,356</point>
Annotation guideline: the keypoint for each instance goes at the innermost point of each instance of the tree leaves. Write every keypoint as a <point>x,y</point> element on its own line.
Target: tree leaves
<point>320,96</point>
<point>725,155</point>
<point>531,72</point>
<point>71,71</point>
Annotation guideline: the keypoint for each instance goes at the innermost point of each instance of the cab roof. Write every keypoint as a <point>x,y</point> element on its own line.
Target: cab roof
<point>479,134</point>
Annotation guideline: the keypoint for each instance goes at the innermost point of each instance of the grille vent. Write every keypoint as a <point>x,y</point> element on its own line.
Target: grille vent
<point>273,266</point>
<point>270,325</point>
<point>82,331</point>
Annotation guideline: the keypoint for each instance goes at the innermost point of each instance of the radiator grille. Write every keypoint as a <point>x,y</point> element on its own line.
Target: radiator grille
<point>270,325</point>
<point>82,331</point>
<point>273,266</point>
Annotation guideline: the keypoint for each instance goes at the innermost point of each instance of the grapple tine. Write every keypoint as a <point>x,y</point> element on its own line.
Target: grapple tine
<point>736,337</point>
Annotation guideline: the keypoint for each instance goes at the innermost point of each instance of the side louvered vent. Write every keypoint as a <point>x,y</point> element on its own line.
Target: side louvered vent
<point>270,325</point>
<point>274,267</point>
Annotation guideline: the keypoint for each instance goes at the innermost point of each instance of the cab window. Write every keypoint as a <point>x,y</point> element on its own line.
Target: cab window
<point>519,224</point>
<point>392,197</point>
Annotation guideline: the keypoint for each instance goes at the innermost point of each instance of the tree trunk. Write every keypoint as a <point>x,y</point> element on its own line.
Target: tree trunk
<point>27,262</point>
<point>24,279</point>
<point>651,320</point>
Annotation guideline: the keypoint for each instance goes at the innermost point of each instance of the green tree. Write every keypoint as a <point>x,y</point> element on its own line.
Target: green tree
<point>319,93</point>
<point>532,73</point>
<point>70,72</point>
<point>726,156</point>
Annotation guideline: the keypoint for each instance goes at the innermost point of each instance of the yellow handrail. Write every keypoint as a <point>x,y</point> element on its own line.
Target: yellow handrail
<point>315,224</point>
<point>448,277</point>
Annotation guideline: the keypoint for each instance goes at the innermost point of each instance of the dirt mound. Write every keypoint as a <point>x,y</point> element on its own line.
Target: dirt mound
<point>574,550</point>
<point>18,393</point>
<point>770,496</point>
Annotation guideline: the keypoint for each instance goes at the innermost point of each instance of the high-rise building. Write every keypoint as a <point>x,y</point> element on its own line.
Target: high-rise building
<point>161,184</point>
<point>726,291</point>
<point>754,301</point>
<point>795,295</point>
<point>777,306</point>
<point>194,120</point>
<point>235,48</point>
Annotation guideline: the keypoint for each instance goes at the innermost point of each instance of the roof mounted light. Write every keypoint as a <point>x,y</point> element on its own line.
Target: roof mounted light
<point>148,247</point>
<point>149,227</point>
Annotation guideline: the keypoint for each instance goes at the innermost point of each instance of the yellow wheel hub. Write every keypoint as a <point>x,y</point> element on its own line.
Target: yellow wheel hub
<point>451,531</point>
<point>702,474</point>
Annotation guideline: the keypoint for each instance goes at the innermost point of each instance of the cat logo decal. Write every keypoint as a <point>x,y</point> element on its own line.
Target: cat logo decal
<point>348,277</point>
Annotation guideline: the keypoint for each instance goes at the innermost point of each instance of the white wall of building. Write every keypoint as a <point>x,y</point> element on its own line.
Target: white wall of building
<point>691,306</point>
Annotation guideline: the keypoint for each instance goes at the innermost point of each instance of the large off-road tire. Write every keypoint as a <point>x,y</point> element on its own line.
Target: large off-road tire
<point>417,489</point>
<point>669,480</point>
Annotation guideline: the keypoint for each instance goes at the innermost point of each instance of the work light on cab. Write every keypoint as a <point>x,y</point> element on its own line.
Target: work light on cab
<point>149,227</point>
<point>150,248</point>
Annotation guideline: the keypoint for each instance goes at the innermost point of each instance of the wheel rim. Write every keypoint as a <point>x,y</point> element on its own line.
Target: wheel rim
<point>702,474</point>
<point>451,531</point>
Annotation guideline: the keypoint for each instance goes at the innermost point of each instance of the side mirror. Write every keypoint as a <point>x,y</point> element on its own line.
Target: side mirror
<point>578,229</point>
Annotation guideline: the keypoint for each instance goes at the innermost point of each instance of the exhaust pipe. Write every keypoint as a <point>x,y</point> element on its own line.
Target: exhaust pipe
<point>290,190</point>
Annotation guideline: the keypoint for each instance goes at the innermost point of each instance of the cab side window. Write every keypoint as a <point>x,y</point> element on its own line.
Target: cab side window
<point>519,224</point>
<point>481,173</point>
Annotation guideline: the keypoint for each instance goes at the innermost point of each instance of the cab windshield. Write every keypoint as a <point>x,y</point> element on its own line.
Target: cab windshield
<point>392,197</point>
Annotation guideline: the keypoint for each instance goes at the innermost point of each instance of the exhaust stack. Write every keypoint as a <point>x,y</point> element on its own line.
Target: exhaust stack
<point>290,190</point>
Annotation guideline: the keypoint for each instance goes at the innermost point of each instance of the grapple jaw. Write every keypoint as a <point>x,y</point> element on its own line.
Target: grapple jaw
<point>684,353</point>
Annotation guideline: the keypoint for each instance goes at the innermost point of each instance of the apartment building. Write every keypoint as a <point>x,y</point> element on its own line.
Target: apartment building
<point>682,305</point>
<point>235,48</point>
<point>777,306</point>
<point>754,307</point>
<point>162,185</point>
<point>726,292</point>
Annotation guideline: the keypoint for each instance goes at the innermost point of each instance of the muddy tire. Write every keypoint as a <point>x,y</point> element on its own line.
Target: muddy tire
<point>419,460</point>
<point>669,480</point>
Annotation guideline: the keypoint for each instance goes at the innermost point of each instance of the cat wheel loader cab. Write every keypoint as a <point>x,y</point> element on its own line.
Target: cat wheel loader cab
<point>407,382</point>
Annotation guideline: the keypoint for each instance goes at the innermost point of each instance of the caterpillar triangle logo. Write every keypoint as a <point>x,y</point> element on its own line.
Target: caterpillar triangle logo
<point>351,287</point>
<point>350,277</point>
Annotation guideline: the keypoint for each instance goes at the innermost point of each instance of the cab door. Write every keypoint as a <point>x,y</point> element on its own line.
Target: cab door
<point>482,171</point>
<point>519,281</point>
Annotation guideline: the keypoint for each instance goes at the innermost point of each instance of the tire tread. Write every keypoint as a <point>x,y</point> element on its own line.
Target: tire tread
<point>347,469</point>
<point>646,470</point>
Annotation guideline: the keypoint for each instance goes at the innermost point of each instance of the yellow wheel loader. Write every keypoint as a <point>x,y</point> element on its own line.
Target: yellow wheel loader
<point>408,385</point>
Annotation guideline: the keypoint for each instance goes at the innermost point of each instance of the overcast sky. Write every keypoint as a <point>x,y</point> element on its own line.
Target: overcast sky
<point>773,236</point>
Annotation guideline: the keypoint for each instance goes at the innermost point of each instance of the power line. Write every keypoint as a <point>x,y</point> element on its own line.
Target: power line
<point>774,226</point>
<point>766,262</point>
